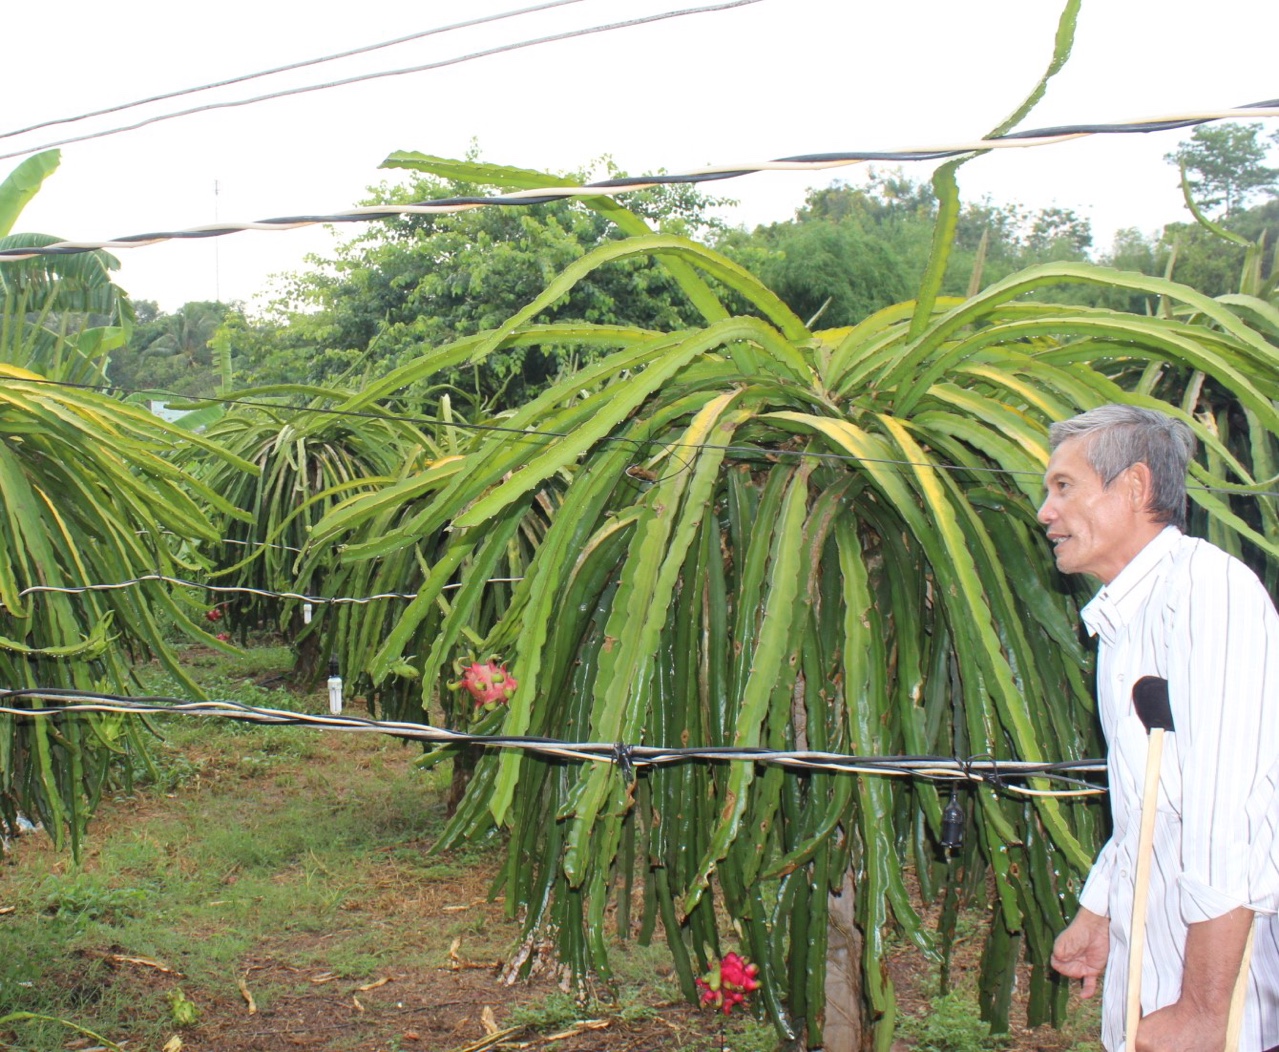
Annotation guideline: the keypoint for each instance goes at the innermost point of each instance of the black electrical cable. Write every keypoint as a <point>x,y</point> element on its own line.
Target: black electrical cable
<point>549,195</point>
<point>1122,129</point>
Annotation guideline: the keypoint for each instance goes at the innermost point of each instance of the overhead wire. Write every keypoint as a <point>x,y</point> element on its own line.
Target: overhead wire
<point>289,67</point>
<point>382,74</point>
<point>624,184</point>
<point>996,774</point>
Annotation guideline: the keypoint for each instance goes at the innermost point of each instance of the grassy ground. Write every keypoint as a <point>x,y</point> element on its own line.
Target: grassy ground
<point>272,889</point>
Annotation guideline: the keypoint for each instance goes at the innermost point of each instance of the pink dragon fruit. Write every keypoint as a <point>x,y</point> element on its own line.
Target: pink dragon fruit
<point>488,682</point>
<point>728,982</point>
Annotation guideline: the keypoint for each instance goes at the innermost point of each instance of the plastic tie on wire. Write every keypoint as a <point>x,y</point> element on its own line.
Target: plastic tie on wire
<point>624,757</point>
<point>992,778</point>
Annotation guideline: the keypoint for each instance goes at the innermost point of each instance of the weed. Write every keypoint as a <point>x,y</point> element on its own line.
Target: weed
<point>631,1006</point>
<point>81,896</point>
<point>952,1024</point>
<point>182,1009</point>
<point>750,1035</point>
<point>554,1012</point>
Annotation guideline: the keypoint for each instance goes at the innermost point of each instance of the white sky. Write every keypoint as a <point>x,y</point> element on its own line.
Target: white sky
<point>776,78</point>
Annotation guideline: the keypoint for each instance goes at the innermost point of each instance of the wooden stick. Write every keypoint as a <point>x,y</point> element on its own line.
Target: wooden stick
<point>1141,887</point>
<point>1235,1022</point>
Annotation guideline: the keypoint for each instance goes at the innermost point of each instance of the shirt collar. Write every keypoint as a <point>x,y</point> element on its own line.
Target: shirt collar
<point>1119,602</point>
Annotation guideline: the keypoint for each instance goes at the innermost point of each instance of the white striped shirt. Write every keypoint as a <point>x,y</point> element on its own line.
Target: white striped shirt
<point>1186,611</point>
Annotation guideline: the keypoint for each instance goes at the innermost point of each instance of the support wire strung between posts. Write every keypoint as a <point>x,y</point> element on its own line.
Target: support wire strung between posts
<point>998,775</point>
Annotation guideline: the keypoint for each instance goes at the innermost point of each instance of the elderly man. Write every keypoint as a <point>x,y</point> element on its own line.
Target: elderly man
<point>1183,610</point>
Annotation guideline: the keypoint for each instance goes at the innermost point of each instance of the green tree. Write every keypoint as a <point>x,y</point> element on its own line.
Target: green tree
<point>419,281</point>
<point>1224,165</point>
<point>831,268</point>
<point>865,247</point>
<point>174,352</point>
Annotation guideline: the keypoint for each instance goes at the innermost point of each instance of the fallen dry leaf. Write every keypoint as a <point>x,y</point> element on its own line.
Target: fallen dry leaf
<point>375,984</point>
<point>456,963</point>
<point>411,1035</point>
<point>470,905</point>
<point>7,909</point>
<point>248,997</point>
<point>489,1021</point>
<point>324,977</point>
<point>174,1044</point>
<point>356,1001</point>
<point>146,962</point>
<point>580,1027</point>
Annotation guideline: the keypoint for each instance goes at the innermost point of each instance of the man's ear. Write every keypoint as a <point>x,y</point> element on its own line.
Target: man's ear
<point>1140,485</point>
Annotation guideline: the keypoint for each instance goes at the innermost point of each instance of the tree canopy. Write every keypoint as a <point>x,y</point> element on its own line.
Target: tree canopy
<point>1224,165</point>
<point>423,281</point>
<point>856,249</point>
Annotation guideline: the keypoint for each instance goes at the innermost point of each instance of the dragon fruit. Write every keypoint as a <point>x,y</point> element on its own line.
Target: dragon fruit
<point>488,682</point>
<point>728,982</point>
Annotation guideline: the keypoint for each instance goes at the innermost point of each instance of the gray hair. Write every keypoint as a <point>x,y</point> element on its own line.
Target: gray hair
<point>1118,436</point>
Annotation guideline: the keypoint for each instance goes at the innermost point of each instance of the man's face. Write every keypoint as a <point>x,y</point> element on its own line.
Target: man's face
<point>1094,529</point>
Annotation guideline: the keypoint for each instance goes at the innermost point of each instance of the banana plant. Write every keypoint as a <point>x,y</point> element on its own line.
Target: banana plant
<point>62,314</point>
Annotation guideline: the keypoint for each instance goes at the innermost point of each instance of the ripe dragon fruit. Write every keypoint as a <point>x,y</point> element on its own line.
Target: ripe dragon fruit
<point>728,982</point>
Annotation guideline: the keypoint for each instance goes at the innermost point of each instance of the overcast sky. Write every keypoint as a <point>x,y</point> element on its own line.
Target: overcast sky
<point>775,78</point>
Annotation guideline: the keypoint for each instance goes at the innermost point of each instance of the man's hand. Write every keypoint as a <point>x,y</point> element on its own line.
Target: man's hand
<point>1080,950</point>
<point>1181,1028</point>
<point>1197,1022</point>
